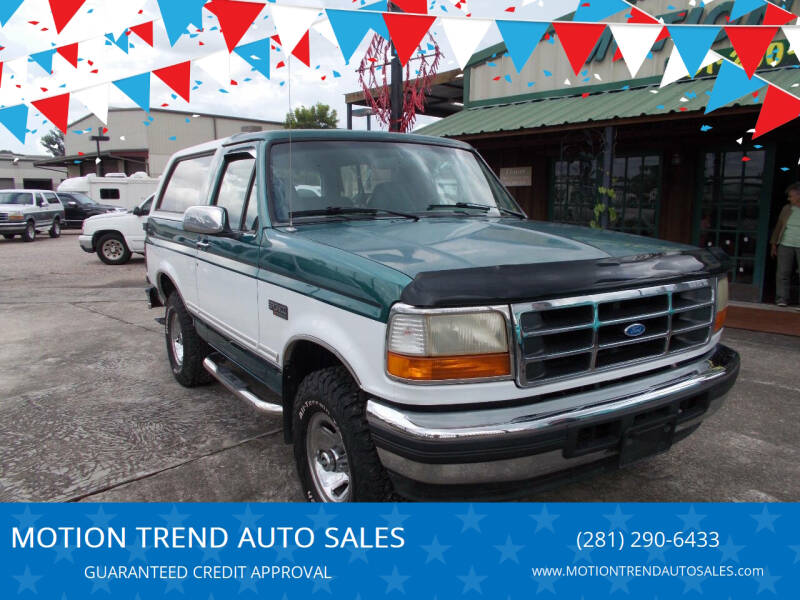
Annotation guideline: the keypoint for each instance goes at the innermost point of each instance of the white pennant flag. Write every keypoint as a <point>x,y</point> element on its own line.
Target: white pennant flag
<point>464,36</point>
<point>793,35</point>
<point>218,65</point>
<point>19,68</point>
<point>292,22</point>
<point>96,100</point>
<point>635,41</point>
<point>676,69</point>
<point>325,29</point>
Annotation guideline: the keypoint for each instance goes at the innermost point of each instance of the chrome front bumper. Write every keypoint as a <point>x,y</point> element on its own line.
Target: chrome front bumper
<point>527,441</point>
<point>85,242</point>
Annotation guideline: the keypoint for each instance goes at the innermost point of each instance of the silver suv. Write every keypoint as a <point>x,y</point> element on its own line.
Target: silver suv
<point>28,211</point>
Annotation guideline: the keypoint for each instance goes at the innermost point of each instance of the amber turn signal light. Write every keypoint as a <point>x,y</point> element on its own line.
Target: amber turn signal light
<point>440,368</point>
<point>719,322</point>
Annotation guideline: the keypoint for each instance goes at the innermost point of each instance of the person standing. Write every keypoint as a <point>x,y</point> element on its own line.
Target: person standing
<point>786,243</point>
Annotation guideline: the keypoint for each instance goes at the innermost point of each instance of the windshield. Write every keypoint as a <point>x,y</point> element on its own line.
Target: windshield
<point>15,198</point>
<point>374,179</point>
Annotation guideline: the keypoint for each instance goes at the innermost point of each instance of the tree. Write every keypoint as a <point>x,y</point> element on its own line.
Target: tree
<point>319,116</point>
<point>53,142</point>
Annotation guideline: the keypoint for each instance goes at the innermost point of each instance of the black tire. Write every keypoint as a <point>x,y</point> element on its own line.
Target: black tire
<point>188,368</point>
<point>29,234</point>
<point>112,249</point>
<point>333,395</point>
<point>9,236</point>
<point>55,229</point>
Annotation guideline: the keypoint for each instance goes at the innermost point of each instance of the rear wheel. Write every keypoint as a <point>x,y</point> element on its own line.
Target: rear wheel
<point>112,250</point>
<point>55,230</point>
<point>30,232</point>
<point>186,350</point>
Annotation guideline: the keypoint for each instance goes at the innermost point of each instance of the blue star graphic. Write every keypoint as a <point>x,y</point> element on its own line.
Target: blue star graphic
<point>471,581</point>
<point>766,582</point>
<point>619,582</point>
<point>765,520</point>
<point>136,551</point>
<point>509,551</point>
<point>247,583</point>
<point>321,585</point>
<point>321,519</point>
<point>395,581</point>
<point>100,518</point>
<point>796,550</point>
<point>173,584</point>
<point>546,583</point>
<point>691,520</point>
<point>358,554</point>
<point>286,553</point>
<point>579,555</point>
<point>247,518</point>
<point>655,553</point>
<point>26,518</point>
<point>435,551</point>
<point>27,581</point>
<point>174,518</point>
<point>730,551</point>
<point>693,584</point>
<point>618,520</point>
<point>100,585</point>
<point>395,519</point>
<point>63,554</point>
<point>471,520</point>
<point>210,555</point>
<point>544,520</point>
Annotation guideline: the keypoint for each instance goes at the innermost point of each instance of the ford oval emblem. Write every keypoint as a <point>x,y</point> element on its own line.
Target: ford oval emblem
<point>635,330</point>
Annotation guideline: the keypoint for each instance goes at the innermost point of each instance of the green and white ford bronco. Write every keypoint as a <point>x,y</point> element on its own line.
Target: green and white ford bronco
<point>418,334</point>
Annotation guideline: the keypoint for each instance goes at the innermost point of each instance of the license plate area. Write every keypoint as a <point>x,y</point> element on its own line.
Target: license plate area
<point>640,442</point>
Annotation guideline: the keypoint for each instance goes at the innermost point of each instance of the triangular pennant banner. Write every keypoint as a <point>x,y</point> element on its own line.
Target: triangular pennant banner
<point>350,28</point>
<point>145,32</point>
<point>778,109</point>
<point>7,10</point>
<point>18,67</point>
<point>598,10</point>
<point>55,109</point>
<point>732,83</point>
<point>63,11</point>
<point>178,78</point>
<point>44,60</point>
<point>96,100</point>
<point>1,74</point>
<point>793,35</point>
<point>137,88</point>
<point>693,43</point>
<point>635,42</point>
<point>742,7</point>
<point>218,65</point>
<point>292,23</point>
<point>234,18</point>
<point>381,6</point>
<point>69,53</point>
<point>178,15</point>
<point>407,32</point>
<point>120,42</point>
<point>677,70</point>
<point>412,6</point>
<point>521,39</point>
<point>775,15</point>
<point>751,44</point>
<point>324,28</point>
<point>256,54</point>
<point>464,36</point>
<point>641,17</point>
<point>303,49</point>
<point>578,41</point>
<point>15,119</point>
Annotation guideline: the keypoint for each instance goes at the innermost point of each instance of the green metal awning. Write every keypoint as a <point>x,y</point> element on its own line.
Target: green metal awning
<point>645,100</point>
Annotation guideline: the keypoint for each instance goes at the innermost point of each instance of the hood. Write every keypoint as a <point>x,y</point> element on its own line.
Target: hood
<point>109,215</point>
<point>444,244</point>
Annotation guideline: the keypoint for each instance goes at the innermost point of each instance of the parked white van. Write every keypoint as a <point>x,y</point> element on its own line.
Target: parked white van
<point>114,188</point>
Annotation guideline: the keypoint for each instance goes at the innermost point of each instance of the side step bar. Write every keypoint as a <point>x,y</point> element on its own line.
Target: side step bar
<point>238,387</point>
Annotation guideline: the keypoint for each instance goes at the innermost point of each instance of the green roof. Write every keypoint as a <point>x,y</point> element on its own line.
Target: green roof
<point>638,101</point>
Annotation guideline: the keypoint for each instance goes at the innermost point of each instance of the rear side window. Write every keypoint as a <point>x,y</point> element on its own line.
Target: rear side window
<point>234,188</point>
<point>186,184</point>
<point>109,194</point>
<point>51,198</point>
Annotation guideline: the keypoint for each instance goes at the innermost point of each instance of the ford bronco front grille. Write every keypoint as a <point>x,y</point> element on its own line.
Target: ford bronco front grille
<point>571,337</point>
<point>3,217</point>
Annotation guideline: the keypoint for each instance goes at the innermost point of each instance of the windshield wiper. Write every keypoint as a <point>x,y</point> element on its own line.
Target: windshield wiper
<point>513,213</point>
<point>337,211</point>
<point>483,207</point>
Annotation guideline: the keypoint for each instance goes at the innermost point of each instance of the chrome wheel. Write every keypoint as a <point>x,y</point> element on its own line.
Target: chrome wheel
<point>113,249</point>
<point>327,459</point>
<point>176,338</point>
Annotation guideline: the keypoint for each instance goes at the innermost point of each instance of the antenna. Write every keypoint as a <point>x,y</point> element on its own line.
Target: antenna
<point>290,191</point>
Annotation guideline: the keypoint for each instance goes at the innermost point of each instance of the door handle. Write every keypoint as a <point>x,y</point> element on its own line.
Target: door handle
<point>202,245</point>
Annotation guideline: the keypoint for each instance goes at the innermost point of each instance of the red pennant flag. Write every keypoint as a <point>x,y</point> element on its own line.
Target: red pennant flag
<point>234,18</point>
<point>178,78</point>
<point>69,53</point>
<point>63,11</point>
<point>412,6</point>
<point>779,108</point>
<point>303,50</point>
<point>578,40</point>
<point>56,109</point>
<point>1,74</point>
<point>145,32</point>
<point>750,44</point>
<point>775,15</point>
<point>407,32</point>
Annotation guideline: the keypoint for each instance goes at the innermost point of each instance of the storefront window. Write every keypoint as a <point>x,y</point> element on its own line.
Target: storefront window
<point>576,184</point>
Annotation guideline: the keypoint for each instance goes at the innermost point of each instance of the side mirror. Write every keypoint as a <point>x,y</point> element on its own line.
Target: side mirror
<point>137,211</point>
<point>72,204</point>
<point>208,220</point>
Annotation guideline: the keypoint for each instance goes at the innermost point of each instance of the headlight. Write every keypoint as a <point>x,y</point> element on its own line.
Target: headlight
<point>451,345</point>
<point>16,217</point>
<point>722,303</point>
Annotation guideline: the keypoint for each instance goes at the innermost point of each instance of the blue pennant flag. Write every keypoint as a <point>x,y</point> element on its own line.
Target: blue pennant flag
<point>350,28</point>
<point>380,25</point>
<point>598,10</point>
<point>122,42</point>
<point>381,6</point>
<point>742,7</point>
<point>256,54</point>
<point>8,8</point>
<point>731,84</point>
<point>15,119</point>
<point>521,38</point>
<point>44,60</point>
<point>179,14</point>
<point>137,88</point>
<point>693,43</point>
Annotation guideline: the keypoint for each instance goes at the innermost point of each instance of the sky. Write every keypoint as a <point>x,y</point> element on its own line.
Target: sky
<point>31,29</point>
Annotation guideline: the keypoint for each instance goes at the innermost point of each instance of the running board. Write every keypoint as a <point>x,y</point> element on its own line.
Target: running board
<point>238,387</point>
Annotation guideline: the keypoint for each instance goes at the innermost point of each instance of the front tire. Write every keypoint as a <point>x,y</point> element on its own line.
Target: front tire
<point>30,232</point>
<point>333,449</point>
<point>185,349</point>
<point>112,249</point>
<point>55,230</point>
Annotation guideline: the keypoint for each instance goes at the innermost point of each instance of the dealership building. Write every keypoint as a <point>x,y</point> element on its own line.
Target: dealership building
<point>560,142</point>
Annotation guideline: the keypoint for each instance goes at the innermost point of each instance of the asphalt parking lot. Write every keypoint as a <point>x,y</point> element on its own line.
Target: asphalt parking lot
<point>89,409</point>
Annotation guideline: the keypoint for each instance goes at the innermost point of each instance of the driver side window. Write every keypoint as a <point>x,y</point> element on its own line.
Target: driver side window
<point>234,189</point>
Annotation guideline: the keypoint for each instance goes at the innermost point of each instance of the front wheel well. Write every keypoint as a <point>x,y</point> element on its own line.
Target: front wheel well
<point>97,235</point>
<point>166,285</point>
